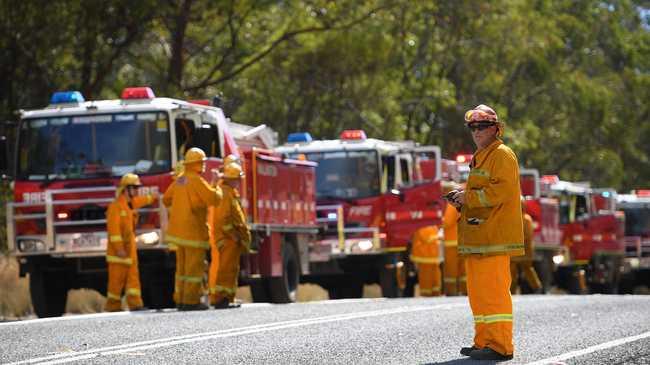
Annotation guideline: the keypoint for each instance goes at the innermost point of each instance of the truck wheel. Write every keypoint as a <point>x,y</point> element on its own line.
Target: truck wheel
<point>389,280</point>
<point>284,288</point>
<point>49,293</point>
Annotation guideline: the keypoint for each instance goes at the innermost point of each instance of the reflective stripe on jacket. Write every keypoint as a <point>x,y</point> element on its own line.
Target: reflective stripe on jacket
<point>189,197</point>
<point>230,220</point>
<point>425,248</point>
<point>121,218</point>
<point>491,220</point>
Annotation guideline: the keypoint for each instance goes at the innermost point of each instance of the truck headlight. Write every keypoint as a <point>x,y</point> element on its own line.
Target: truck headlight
<point>149,238</point>
<point>31,245</point>
<point>362,246</point>
<point>558,259</point>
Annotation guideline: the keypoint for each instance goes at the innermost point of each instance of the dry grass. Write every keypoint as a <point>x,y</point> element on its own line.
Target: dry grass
<point>15,300</point>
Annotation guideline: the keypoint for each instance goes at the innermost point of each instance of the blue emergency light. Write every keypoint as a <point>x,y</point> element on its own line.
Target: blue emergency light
<point>67,97</point>
<point>299,137</point>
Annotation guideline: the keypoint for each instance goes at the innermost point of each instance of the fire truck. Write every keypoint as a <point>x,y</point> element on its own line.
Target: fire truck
<point>636,207</point>
<point>592,232</point>
<point>71,155</point>
<point>372,195</point>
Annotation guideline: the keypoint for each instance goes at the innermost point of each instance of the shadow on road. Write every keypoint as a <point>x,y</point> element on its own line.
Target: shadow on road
<point>464,361</point>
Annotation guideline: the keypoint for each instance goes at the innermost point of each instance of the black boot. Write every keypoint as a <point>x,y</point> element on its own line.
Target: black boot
<point>465,351</point>
<point>487,353</point>
<point>225,304</point>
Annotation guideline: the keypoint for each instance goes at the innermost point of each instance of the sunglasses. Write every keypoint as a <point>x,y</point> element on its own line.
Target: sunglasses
<point>479,126</point>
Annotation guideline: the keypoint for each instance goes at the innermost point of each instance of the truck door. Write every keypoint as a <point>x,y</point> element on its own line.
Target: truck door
<point>419,204</point>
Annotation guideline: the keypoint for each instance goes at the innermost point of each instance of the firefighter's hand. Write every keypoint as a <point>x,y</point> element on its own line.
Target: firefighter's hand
<point>121,253</point>
<point>458,199</point>
<point>216,177</point>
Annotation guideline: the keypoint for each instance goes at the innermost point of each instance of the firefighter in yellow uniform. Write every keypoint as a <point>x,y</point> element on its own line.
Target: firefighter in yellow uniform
<point>425,253</point>
<point>454,269</point>
<point>490,230</point>
<point>524,264</point>
<point>122,251</point>
<point>188,198</point>
<point>231,235</point>
<point>214,251</point>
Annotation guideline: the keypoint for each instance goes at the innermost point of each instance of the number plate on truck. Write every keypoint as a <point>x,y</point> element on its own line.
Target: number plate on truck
<point>94,241</point>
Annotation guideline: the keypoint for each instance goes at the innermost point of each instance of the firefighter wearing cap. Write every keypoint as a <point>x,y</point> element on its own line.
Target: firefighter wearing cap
<point>425,253</point>
<point>231,235</point>
<point>490,230</point>
<point>121,251</point>
<point>214,251</point>
<point>454,269</point>
<point>188,198</point>
<point>524,264</point>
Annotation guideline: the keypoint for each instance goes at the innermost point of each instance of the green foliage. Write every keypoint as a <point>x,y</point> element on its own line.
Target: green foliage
<point>571,79</point>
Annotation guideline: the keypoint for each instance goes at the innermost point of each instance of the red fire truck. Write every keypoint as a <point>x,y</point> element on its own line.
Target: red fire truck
<point>636,207</point>
<point>592,231</point>
<point>71,154</point>
<point>372,195</point>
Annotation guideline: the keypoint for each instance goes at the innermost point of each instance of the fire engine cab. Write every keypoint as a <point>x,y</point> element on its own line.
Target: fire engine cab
<point>592,231</point>
<point>636,207</point>
<point>70,156</point>
<point>372,195</point>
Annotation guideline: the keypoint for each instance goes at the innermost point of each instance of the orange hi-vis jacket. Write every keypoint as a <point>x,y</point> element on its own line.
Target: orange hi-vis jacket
<point>121,218</point>
<point>230,220</point>
<point>189,197</point>
<point>450,226</point>
<point>529,246</point>
<point>425,246</point>
<point>491,220</point>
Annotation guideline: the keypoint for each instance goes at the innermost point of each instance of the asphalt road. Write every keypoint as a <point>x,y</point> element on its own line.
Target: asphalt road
<point>548,330</point>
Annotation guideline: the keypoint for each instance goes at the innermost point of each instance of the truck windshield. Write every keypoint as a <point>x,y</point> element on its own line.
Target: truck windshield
<point>346,174</point>
<point>85,146</point>
<point>637,221</point>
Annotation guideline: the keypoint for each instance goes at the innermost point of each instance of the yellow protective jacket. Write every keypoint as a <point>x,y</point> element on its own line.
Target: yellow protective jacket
<point>425,248</point>
<point>450,225</point>
<point>189,197</point>
<point>529,246</point>
<point>121,217</point>
<point>491,221</point>
<point>230,220</point>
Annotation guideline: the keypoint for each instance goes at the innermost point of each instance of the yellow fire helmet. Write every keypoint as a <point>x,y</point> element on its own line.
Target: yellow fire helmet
<point>128,180</point>
<point>230,159</point>
<point>485,114</point>
<point>194,155</point>
<point>233,171</point>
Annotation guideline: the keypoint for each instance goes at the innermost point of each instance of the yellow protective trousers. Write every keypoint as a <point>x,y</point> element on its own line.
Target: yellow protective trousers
<point>213,271</point>
<point>454,272</point>
<point>528,270</point>
<point>429,279</point>
<point>488,290</point>
<point>228,272</point>
<point>121,276</point>
<point>190,268</point>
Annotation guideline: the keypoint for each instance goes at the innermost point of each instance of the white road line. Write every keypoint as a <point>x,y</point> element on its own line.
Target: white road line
<point>176,340</point>
<point>66,318</point>
<point>591,349</point>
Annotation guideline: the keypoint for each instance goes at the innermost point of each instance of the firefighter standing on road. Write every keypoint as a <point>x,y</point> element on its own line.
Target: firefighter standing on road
<point>524,264</point>
<point>214,250</point>
<point>231,236</point>
<point>426,256</point>
<point>121,251</point>
<point>189,197</point>
<point>454,269</point>
<point>490,231</point>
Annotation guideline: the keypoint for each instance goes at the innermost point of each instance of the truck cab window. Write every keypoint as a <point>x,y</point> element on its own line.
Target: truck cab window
<point>184,136</point>
<point>207,139</point>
